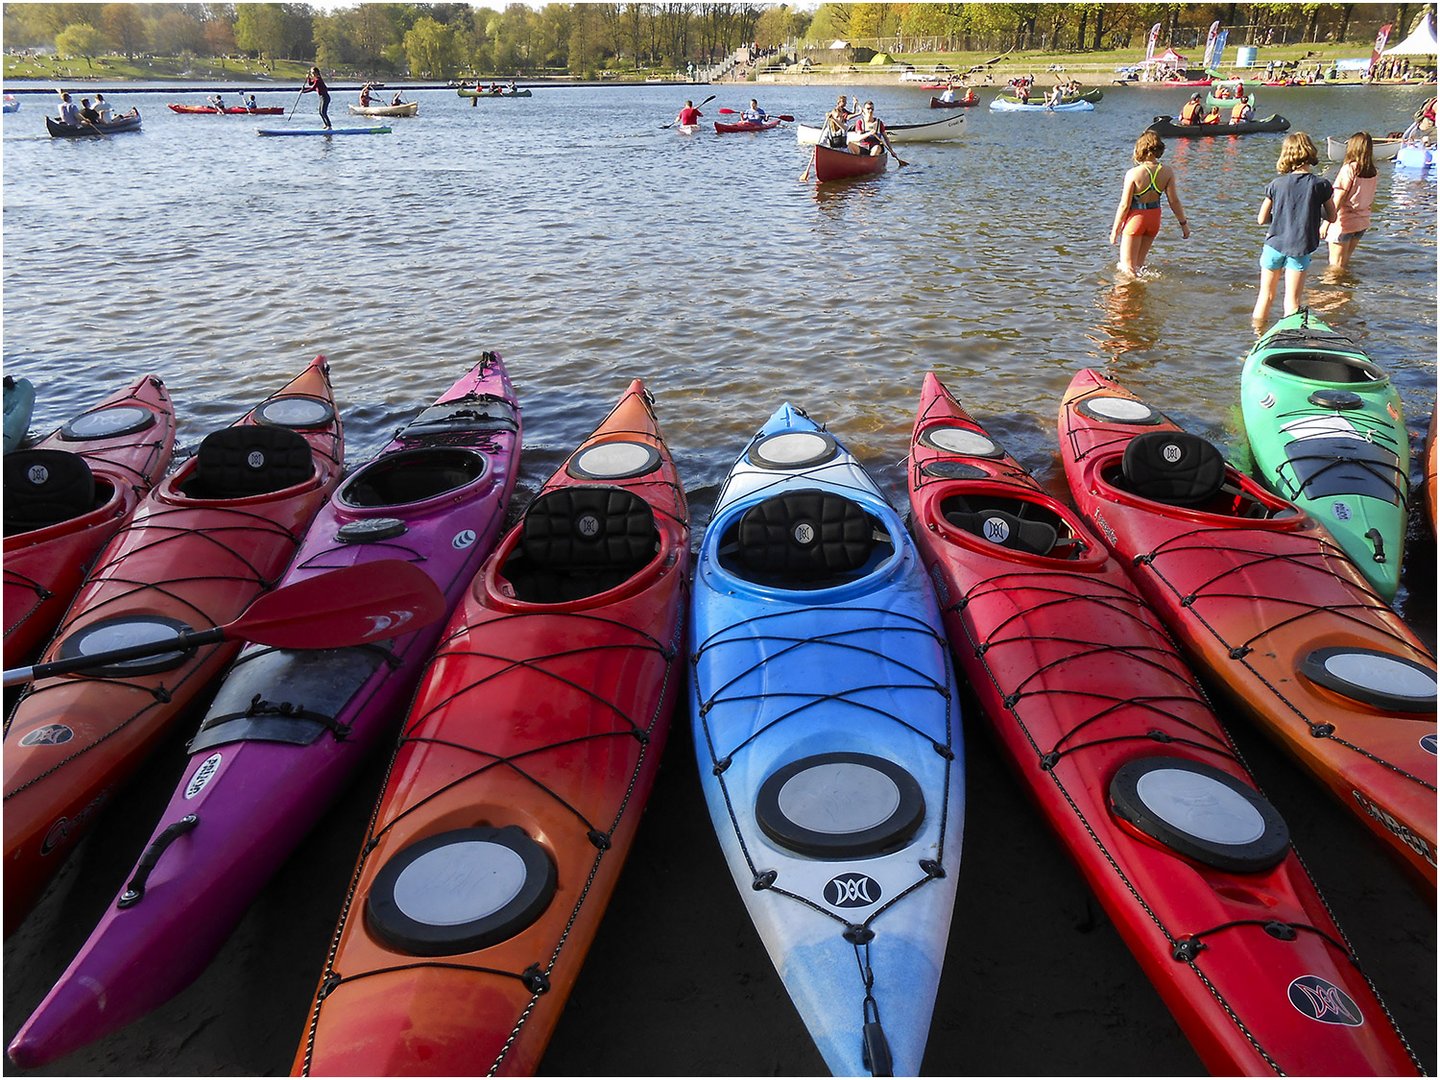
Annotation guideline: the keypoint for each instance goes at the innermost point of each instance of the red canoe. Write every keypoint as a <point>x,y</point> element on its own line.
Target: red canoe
<point>1115,742</point>
<point>208,539</point>
<point>722,128</point>
<point>232,110</point>
<point>832,164</point>
<point>526,760</point>
<point>971,98</point>
<point>126,441</point>
<point>1266,602</point>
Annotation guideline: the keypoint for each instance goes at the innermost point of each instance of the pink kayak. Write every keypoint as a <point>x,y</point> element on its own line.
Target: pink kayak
<point>289,728</point>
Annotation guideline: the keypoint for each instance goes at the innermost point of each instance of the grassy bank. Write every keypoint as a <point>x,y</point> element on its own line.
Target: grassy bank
<point>121,69</point>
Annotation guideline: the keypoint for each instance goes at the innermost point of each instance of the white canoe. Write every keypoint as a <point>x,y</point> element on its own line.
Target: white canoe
<point>1382,149</point>
<point>408,108</point>
<point>945,128</point>
<point>1001,104</point>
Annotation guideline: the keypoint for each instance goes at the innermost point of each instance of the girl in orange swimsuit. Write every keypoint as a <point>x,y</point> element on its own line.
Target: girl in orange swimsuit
<point>1137,218</point>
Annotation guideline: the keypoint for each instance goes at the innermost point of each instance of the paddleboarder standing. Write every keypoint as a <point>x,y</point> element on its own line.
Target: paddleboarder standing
<point>316,85</point>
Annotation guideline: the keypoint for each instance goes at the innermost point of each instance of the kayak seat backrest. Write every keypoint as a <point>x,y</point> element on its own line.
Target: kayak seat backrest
<point>1003,522</point>
<point>805,539</point>
<point>1173,467</point>
<point>45,487</point>
<point>1325,367</point>
<point>249,459</point>
<point>580,541</point>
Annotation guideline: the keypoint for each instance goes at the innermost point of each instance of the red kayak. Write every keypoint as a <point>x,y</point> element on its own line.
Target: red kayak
<point>971,98</point>
<point>200,548</point>
<point>831,164</point>
<point>528,755</point>
<point>1114,740</point>
<point>69,494</point>
<point>1269,605</point>
<point>722,128</point>
<point>232,110</point>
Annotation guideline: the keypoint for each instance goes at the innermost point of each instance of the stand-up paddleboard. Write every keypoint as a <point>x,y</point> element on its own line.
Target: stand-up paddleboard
<point>324,131</point>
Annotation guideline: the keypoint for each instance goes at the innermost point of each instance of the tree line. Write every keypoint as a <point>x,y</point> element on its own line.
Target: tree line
<point>584,39</point>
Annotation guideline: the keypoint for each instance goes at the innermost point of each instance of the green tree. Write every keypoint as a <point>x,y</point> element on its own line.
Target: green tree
<point>80,39</point>
<point>124,25</point>
<point>431,49</point>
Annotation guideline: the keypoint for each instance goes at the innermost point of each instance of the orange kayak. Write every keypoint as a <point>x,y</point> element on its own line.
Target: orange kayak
<point>206,542</point>
<point>529,752</point>
<point>126,442</point>
<point>1266,603</point>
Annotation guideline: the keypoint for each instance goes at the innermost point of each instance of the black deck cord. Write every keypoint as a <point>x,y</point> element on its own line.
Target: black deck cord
<point>874,1047</point>
<point>1187,948</point>
<point>135,890</point>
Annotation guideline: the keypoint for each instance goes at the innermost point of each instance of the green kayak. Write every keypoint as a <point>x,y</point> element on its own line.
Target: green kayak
<point>1326,432</point>
<point>19,402</point>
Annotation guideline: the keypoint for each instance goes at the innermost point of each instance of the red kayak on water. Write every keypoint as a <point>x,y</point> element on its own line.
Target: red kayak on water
<point>971,98</point>
<point>1114,740</point>
<point>722,128</point>
<point>232,110</point>
<point>69,494</point>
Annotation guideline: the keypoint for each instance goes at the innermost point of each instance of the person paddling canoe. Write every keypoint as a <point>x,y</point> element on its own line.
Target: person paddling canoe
<point>873,140</point>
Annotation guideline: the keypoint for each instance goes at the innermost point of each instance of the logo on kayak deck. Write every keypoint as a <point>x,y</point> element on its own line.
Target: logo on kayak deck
<point>382,626</point>
<point>997,530</point>
<point>1268,401</point>
<point>1172,453</point>
<point>588,525</point>
<point>1322,1000</point>
<point>852,890</point>
<point>255,459</point>
<point>49,735</point>
<point>1427,743</point>
<point>37,474</point>
<point>1341,511</point>
<point>463,539</point>
<point>60,832</point>
<point>804,533</point>
<point>1406,835</point>
<point>203,775</point>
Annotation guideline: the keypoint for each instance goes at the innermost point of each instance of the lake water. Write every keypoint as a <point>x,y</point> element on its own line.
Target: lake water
<point>588,246</point>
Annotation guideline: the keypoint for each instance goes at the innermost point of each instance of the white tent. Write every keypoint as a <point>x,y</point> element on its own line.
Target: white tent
<point>1421,41</point>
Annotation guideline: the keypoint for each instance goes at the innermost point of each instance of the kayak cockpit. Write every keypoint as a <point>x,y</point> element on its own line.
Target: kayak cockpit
<point>1017,524</point>
<point>578,542</point>
<point>805,540</point>
<point>246,460</point>
<point>412,476</point>
<point>1321,365</point>
<point>1183,470</point>
<point>46,487</point>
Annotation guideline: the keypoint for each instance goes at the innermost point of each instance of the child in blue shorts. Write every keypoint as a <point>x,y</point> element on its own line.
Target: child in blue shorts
<point>1295,203</point>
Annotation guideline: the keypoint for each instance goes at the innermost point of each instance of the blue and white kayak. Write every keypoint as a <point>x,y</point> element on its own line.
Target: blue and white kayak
<point>19,404</point>
<point>325,131</point>
<point>1001,104</point>
<point>828,734</point>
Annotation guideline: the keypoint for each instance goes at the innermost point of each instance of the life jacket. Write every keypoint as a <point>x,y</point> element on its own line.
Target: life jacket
<point>1237,114</point>
<point>1190,113</point>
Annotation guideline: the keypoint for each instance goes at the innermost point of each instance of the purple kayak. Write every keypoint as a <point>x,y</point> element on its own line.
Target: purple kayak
<point>289,728</point>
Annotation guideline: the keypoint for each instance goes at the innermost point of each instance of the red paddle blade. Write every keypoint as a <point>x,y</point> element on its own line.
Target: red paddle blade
<point>358,604</point>
<point>727,112</point>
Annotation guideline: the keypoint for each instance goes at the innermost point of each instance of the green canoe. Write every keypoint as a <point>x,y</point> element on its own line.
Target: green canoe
<point>1326,432</point>
<point>19,401</point>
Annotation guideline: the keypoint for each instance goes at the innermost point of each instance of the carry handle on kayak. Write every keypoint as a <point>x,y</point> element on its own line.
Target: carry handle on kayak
<point>351,606</point>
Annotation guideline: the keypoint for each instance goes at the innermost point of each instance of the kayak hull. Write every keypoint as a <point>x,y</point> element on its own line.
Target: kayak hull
<point>183,558</point>
<point>821,683</point>
<point>407,108</point>
<point>1267,604</point>
<point>1165,125</point>
<point>1083,686</point>
<point>959,103</point>
<point>1001,104</point>
<point>573,690</point>
<point>830,164</point>
<point>230,110</point>
<point>257,783</point>
<point>722,128</point>
<point>130,122</point>
<point>127,441</point>
<point>1326,432</point>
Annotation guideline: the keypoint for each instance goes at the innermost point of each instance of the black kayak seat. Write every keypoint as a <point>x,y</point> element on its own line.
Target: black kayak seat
<point>1173,467</point>
<point>1006,530</point>
<point>251,459</point>
<point>45,487</point>
<point>579,541</point>
<point>805,538</point>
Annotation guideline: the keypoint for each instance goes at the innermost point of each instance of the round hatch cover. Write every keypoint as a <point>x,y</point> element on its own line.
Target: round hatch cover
<point>1200,812</point>
<point>1336,399</point>
<point>295,411</point>
<point>614,461</point>
<point>1375,678</point>
<point>370,530</point>
<point>793,450</point>
<point>840,805</point>
<point>953,470</point>
<point>122,632</point>
<point>460,891</point>
<point>1118,410</point>
<point>108,423</point>
<point>958,440</point>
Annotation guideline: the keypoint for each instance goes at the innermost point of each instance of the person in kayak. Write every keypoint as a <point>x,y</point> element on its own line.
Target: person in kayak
<point>688,114</point>
<point>754,114</point>
<point>1137,218</point>
<point>248,101</point>
<point>1355,186</point>
<point>216,102</point>
<point>1295,203</point>
<point>949,93</point>
<point>314,84</point>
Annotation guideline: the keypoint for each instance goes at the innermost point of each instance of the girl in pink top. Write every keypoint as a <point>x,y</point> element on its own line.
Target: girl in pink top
<point>1354,193</point>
